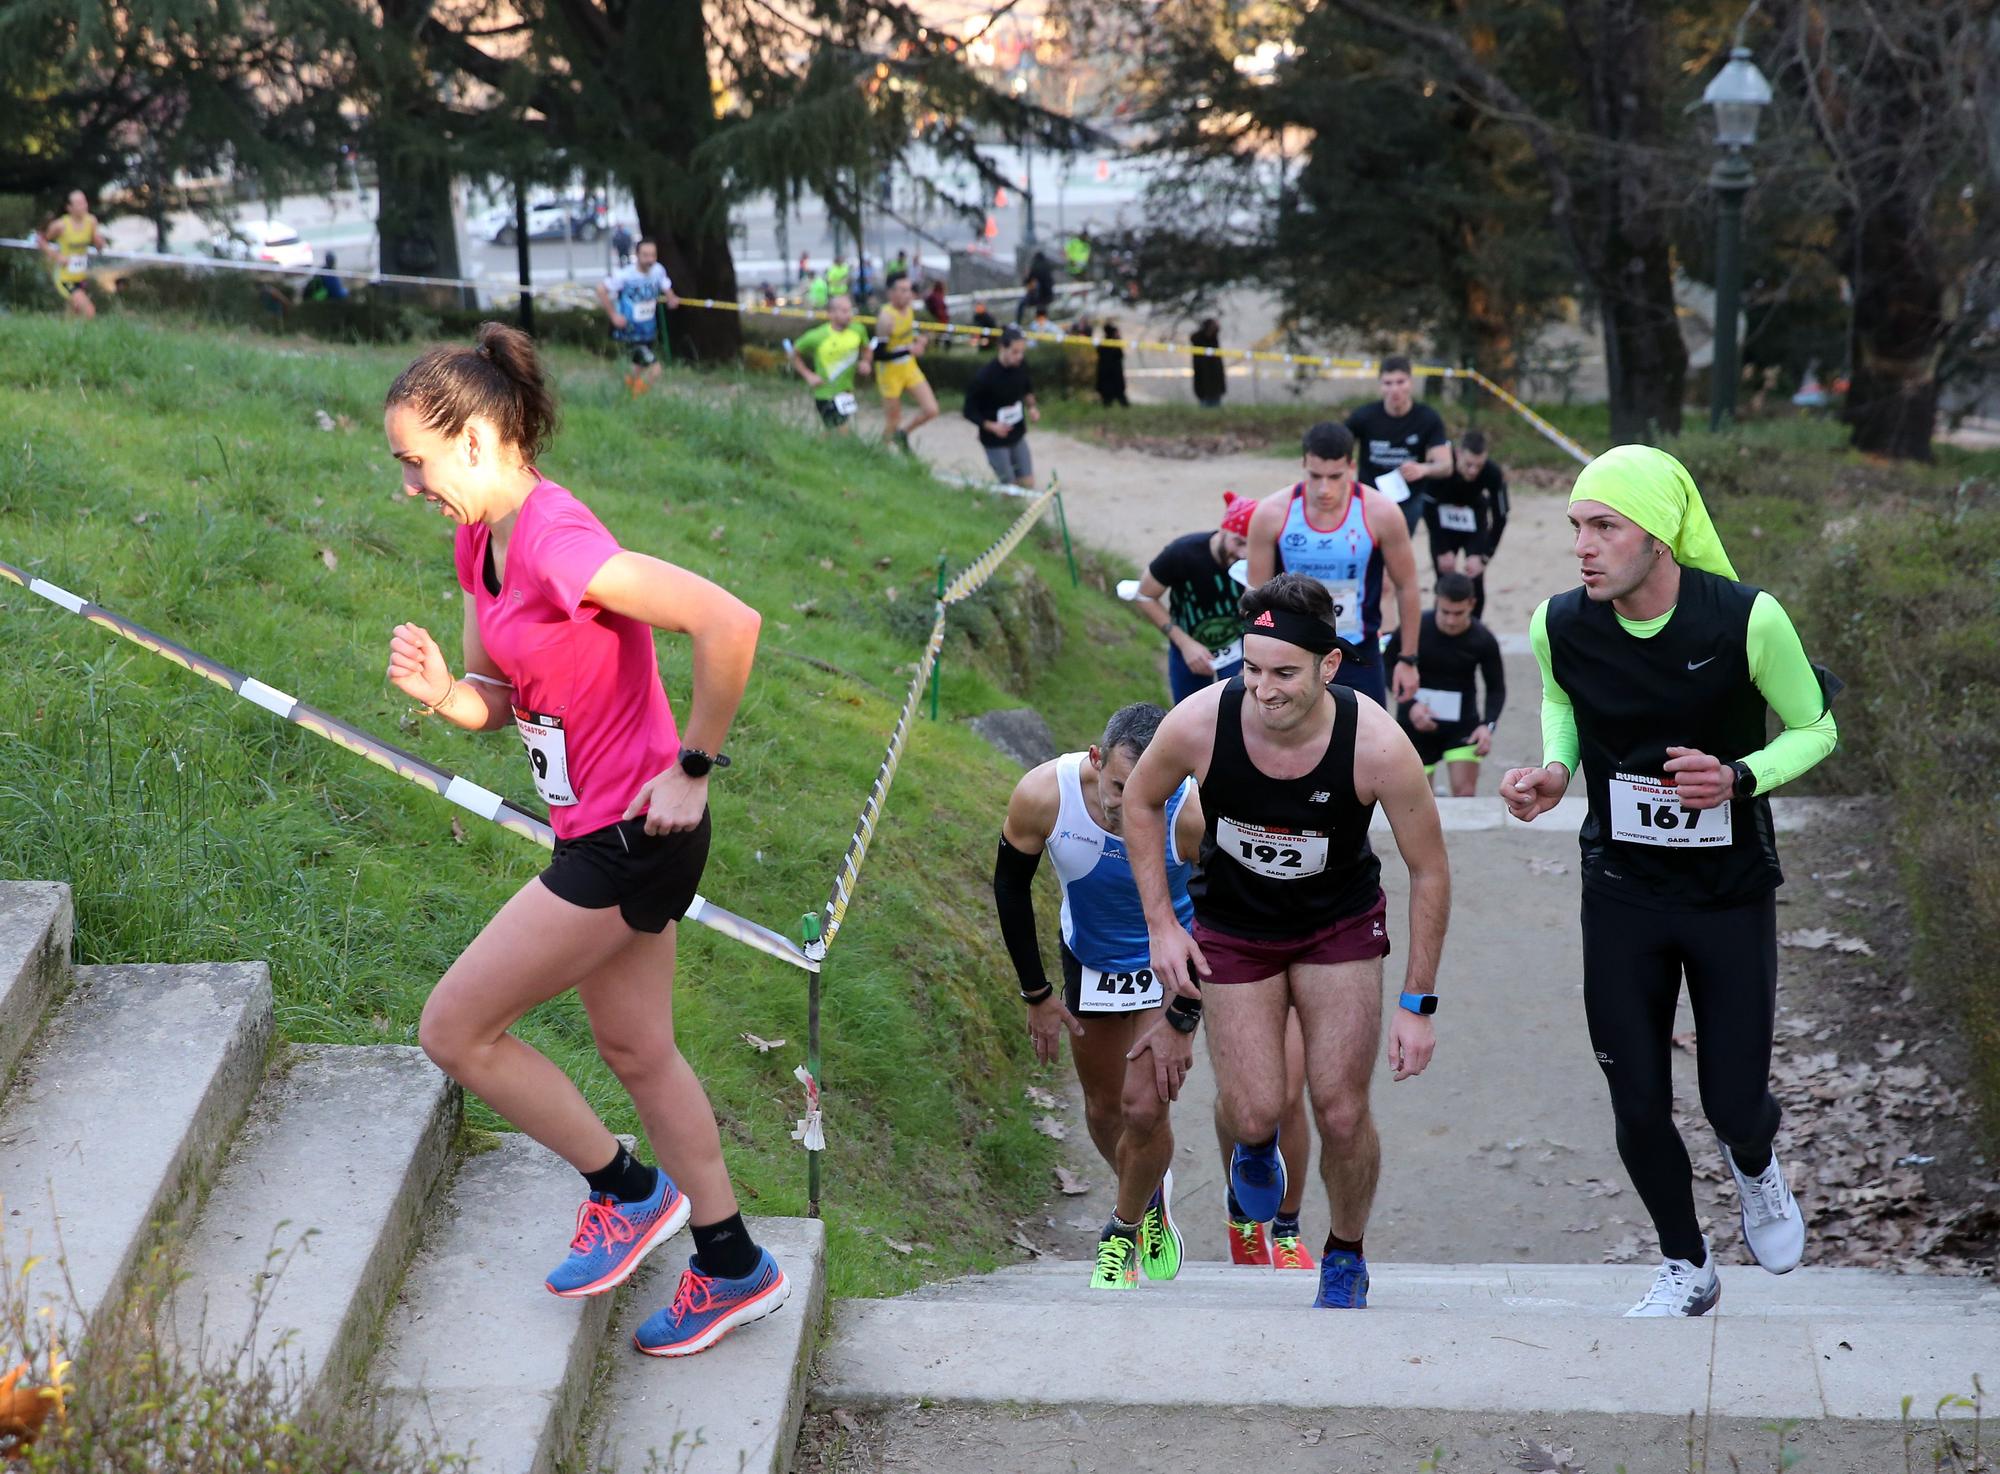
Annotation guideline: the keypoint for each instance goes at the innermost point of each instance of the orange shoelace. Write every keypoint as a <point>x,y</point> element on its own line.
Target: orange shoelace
<point>596,1222</point>
<point>696,1294</point>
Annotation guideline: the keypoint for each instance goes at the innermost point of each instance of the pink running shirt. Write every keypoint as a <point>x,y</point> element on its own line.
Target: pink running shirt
<point>587,692</point>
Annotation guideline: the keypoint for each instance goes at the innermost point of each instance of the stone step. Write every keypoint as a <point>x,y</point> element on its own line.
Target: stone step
<point>130,1093</point>
<point>1107,1349</point>
<point>735,1407</point>
<point>1530,1289</point>
<point>476,1352</point>
<point>36,925</point>
<point>313,1217</point>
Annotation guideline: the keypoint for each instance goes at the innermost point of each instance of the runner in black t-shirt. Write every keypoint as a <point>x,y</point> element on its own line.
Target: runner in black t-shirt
<point>1205,630</point>
<point>1289,910</point>
<point>1456,651</point>
<point>1000,400</point>
<point>1398,434</point>
<point>1467,514</point>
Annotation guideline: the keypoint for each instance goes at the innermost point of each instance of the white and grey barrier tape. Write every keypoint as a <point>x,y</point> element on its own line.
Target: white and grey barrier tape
<point>466,794</point>
<point>1328,367</point>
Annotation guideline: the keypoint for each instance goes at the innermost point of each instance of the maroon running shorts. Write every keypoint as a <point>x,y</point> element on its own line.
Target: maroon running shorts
<point>1234,959</point>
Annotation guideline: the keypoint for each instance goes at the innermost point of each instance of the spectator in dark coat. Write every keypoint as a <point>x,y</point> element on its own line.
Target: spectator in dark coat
<point>1111,367</point>
<point>1210,382</point>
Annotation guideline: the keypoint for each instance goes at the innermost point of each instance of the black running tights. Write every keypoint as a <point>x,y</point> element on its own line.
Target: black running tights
<point>1633,961</point>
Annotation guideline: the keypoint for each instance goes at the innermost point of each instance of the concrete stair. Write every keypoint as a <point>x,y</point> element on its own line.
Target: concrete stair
<point>1830,1343</point>
<point>322,1211</point>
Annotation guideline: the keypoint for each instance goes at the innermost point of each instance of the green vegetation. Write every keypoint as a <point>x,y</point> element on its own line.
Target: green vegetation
<point>184,480</point>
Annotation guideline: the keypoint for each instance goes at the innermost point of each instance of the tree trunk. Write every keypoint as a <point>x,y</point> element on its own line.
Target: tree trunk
<point>1898,327</point>
<point>413,166</point>
<point>1631,255</point>
<point>680,205</point>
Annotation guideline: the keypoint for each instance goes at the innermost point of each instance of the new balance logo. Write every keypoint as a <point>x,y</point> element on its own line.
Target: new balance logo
<point>1264,621</point>
<point>1319,798</point>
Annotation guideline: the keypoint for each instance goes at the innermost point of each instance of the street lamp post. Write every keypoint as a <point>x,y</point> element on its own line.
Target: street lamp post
<point>1738,94</point>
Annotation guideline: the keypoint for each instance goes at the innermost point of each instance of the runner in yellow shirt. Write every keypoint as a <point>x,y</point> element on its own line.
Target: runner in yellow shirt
<point>898,345</point>
<point>67,239</point>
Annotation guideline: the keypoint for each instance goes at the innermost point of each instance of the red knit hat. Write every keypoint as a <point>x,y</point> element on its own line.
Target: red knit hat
<point>1236,513</point>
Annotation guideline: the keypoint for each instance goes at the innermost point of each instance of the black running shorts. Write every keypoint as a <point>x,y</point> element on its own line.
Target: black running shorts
<point>650,878</point>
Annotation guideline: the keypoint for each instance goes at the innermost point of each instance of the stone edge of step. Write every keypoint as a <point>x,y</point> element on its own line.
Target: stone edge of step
<point>37,927</point>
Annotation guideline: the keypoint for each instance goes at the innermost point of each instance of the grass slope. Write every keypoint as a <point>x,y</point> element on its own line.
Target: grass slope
<point>181,479</point>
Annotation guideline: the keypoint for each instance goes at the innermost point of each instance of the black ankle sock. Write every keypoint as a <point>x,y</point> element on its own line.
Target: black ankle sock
<point>1345,1246</point>
<point>1119,1227</point>
<point>726,1249</point>
<point>1751,1161</point>
<point>625,1177</point>
<point>1285,1228</point>
<point>1236,1213</point>
<point>1697,1256</point>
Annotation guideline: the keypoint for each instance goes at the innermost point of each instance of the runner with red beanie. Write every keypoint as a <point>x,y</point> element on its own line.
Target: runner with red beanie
<point>1192,573</point>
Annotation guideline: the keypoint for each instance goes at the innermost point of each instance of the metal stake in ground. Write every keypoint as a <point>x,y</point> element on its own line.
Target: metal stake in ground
<point>467,795</point>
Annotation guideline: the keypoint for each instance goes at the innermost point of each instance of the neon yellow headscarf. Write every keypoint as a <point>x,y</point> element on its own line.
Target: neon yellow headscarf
<point>1655,491</point>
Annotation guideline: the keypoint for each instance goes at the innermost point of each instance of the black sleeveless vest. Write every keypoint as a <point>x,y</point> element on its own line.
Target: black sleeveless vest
<point>1260,828</point>
<point>1687,686</point>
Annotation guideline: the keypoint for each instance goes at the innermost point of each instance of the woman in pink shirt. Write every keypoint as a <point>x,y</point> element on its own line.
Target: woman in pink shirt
<point>558,641</point>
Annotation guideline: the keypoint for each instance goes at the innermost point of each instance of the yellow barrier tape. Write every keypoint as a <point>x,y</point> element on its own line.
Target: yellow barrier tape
<point>969,581</point>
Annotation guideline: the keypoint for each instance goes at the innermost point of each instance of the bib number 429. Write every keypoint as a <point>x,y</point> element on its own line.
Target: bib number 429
<point>1121,992</point>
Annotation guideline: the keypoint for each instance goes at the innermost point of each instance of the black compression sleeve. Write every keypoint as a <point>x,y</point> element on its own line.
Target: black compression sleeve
<point>1014,899</point>
<point>1499,524</point>
<point>1493,670</point>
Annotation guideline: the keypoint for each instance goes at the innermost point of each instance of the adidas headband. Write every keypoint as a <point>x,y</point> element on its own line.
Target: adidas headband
<point>1302,630</point>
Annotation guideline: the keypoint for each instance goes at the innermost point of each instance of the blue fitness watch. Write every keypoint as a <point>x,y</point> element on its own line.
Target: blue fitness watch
<point>1423,1004</point>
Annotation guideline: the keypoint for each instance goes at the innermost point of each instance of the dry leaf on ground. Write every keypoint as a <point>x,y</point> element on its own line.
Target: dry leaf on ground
<point>1069,1184</point>
<point>762,1046</point>
<point>1050,1127</point>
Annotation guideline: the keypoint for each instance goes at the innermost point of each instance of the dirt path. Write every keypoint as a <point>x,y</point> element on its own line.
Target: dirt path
<point>1133,504</point>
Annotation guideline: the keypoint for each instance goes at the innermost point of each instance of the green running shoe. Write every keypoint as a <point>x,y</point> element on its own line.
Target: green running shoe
<point>1159,1236</point>
<point>1117,1268</point>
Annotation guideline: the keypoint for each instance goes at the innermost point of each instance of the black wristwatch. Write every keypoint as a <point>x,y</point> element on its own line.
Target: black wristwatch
<point>1185,1022</point>
<point>1746,781</point>
<point>1406,660</point>
<point>696,763</point>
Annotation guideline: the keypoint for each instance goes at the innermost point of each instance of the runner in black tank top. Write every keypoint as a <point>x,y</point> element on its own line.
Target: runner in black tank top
<point>1656,676</point>
<point>1283,856</point>
<point>1289,912</point>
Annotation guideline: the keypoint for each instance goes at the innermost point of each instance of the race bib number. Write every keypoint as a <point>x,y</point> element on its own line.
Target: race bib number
<point>844,402</point>
<point>1275,854</point>
<point>78,265</point>
<point>1454,518</point>
<point>1010,414</point>
<point>642,311</point>
<point>1446,706</point>
<point>1392,485</point>
<point>1649,811</point>
<point>1346,611</point>
<point>548,755</point>
<point>1120,992</point>
<point>1227,655</point>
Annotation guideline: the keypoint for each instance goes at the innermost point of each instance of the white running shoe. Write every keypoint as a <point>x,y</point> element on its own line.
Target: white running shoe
<point>1679,1288</point>
<point>1773,1226</point>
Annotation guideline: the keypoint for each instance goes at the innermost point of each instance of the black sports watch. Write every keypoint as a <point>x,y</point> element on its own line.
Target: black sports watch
<point>1406,660</point>
<point>1185,1022</point>
<point>696,763</point>
<point>1746,781</point>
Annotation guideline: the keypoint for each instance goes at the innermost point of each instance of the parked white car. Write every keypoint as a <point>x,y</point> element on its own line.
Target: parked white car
<point>263,240</point>
<point>548,220</point>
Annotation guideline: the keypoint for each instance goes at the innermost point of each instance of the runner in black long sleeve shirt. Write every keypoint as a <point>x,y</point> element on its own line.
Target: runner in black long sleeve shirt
<point>1467,514</point>
<point>1444,722</point>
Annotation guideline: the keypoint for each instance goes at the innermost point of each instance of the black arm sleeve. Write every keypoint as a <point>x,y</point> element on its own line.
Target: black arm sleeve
<point>1493,670</point>
<point>1499,523</point>
<point>1014,899</point>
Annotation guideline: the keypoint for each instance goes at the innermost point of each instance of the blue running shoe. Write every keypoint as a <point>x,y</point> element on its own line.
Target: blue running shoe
<point>1258,1177</point>
<point>612,1237</point>
<point>706,1308</point>
<point>1343,1282</point>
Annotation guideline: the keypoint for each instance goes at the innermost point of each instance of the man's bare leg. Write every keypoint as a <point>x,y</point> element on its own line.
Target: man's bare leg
<point>1340,1008</point>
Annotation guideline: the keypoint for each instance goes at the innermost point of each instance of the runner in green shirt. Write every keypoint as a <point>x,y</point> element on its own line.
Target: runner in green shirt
<point>828,356</point>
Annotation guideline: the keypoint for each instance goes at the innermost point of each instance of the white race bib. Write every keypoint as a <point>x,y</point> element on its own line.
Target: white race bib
<point>78,265</point>
<point>1649,811</point>
<point>1120,992</point>
<point>1274,854</point>
<point>844,403</point>
<point>1227,655</point>
<point>1446,706</point>
<point>1392,485</point>
<point>643,310</point>
<point>548,755</point>
<point>1455,518</point>
<point>1346,611</point>
<point>1010,414</point>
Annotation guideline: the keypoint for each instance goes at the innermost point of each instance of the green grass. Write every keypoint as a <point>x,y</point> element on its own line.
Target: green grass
<point>180,478</point>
